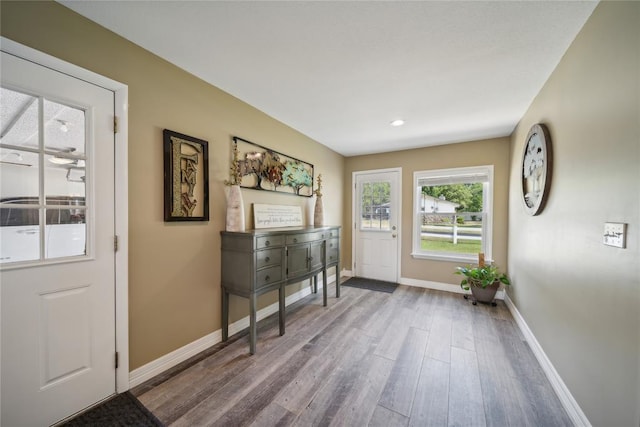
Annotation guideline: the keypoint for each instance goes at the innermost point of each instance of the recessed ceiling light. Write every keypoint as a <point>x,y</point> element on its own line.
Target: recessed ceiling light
<point>398,122</point>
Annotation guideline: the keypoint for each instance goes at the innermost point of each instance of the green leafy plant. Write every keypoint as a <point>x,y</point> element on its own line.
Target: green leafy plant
<point>481,276</point>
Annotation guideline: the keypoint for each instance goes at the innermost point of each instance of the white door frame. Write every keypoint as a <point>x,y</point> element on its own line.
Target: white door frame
<point>354,200</point>
<point>121,92</point>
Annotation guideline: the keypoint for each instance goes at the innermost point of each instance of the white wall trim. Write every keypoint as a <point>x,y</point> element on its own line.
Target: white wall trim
<point>168,361</point>
<point>121,189</point>
<point>122,231</point>
<point>439,286</point>
<point>566,398</point>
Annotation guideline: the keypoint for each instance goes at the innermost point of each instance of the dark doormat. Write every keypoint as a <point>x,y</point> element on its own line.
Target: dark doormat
<point>122,410</point>
<point>371,284</point>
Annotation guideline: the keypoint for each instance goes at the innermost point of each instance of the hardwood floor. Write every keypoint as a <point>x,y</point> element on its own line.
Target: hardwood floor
<point>416,357</point>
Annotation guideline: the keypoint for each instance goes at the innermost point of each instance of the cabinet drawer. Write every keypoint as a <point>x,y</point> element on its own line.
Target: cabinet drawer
<point>333,251</point>
<point>298,238</point>
<point>269,241</point>
<point>332,256</point>
<point>268,257</point>
<point>268,275</point>
<point>303,238</point>
<point>333,233</point>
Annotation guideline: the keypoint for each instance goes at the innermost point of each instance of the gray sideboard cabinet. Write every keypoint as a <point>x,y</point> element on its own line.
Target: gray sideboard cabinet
<point>258,261</point>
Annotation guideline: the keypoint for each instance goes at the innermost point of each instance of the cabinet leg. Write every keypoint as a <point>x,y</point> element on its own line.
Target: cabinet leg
<point>253,330</point>
<point>315,284</point>
<point>225,314</point>
<point>324,287</point>
<point>338,280</point>
<point>282,308</point>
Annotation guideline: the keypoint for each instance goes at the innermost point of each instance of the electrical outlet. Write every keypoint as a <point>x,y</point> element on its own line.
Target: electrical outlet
<point>615,234</point>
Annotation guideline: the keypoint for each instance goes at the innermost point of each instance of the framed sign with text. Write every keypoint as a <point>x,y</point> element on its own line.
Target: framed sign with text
<point>186,178</point>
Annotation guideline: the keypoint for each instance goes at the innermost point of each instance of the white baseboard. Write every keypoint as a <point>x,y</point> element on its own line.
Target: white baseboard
<point>168,361</point>
<point>568,402</point>
<point>439,286</point>
<point>161,364</point>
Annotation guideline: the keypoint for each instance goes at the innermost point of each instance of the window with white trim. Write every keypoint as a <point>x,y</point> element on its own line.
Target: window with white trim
<point>452,218</point>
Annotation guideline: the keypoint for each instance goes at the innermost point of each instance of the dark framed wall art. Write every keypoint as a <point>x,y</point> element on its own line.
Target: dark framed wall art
<point>261,168</point>
<point>186,177</point>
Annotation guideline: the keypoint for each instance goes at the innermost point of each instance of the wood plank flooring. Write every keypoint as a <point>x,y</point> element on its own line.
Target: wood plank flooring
<point>416,357</point>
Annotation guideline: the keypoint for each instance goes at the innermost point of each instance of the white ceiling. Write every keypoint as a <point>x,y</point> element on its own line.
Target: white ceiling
<point>340,72</point>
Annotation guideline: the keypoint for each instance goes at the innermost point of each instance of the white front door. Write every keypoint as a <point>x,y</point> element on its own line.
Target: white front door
<point>377,224</point>
<point>57,256</point>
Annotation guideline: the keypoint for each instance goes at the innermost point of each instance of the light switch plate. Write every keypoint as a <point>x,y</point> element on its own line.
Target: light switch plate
<point>615,234</point>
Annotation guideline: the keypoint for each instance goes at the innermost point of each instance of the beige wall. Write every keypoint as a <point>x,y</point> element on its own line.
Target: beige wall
<point>487,152</point>
<point>174,280</point>
<point>581,298</point>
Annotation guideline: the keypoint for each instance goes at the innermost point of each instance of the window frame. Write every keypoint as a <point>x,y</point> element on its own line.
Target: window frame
<point>487,208</point>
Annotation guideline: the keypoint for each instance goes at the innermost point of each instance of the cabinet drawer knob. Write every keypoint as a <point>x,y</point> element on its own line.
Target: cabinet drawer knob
<point>267,243</point>
<point>266,278</point>
<point>295,240</point>
<point>267,259</point>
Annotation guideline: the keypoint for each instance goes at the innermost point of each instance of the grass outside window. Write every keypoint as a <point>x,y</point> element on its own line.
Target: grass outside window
<point>437,244</point>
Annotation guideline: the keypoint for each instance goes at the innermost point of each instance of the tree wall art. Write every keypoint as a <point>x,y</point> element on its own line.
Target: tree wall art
<point>262,168</point>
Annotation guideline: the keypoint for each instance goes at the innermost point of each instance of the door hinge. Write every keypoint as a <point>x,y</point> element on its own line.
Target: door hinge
<point>115,124</point>
<point>115,243</point>
<point>117,360</point>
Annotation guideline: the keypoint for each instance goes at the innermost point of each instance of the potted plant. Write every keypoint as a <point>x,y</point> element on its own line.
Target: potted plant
<point>483,281</point>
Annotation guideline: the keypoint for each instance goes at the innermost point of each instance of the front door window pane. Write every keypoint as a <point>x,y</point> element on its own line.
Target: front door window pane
<point>66,232</point>
<point>64,179</point>
<point>19,119</point>
<point>18,175</point>
<point>64,130</point>
<point>19,234</point>
<point>375,206</point>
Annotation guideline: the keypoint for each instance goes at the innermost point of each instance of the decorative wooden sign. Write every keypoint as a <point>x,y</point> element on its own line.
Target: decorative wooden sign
<point>186,178</point>
<point>274,216</point>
